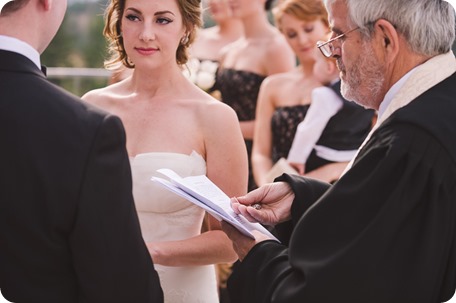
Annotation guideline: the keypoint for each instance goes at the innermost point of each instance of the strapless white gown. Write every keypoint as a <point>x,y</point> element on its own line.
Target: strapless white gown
<point>164,216</point>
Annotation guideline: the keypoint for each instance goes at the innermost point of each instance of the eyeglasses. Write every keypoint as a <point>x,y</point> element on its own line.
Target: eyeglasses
<point>327,48</point>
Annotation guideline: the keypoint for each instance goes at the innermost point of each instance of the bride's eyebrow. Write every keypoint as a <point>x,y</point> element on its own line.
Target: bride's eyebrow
<point>164,12</point>
<point>133,9</point>
<point>137,11</point>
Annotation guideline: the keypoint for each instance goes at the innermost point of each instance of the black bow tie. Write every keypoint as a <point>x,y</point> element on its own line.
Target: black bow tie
<point>44,70</point>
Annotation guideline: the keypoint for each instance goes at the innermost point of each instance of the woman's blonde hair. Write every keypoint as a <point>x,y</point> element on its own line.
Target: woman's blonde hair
<point>191,12</point>
<point>307,10</point>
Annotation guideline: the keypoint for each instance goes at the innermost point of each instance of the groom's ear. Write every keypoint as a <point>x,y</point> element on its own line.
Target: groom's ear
<point>46,4</point>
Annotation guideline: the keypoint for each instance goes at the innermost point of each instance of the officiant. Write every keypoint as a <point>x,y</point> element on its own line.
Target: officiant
<point>386,231</point>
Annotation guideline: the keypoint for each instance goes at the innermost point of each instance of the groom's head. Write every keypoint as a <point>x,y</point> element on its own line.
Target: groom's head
<point>33,21</point>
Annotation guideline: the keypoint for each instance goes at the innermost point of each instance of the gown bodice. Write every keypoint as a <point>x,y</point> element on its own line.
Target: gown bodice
<point>165,216</point>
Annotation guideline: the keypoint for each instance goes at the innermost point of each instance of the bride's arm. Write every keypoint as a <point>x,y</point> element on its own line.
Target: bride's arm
<point>211,247</point>
<point>227,167</point>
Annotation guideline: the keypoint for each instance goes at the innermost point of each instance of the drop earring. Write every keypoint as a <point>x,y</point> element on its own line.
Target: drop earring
<point>184,40</point>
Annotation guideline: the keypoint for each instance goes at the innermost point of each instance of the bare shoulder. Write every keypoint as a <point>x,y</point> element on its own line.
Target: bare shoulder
<point>214,113</point>
<point>233,46</point>
<point>103,96</point>
<point>280,79</point>
<point>278,45</point>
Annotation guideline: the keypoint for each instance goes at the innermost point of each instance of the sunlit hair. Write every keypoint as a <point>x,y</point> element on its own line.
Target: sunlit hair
<point>306,10</point>
<point>13,6</point>
<point>190,10</point>
<point>428,26</point>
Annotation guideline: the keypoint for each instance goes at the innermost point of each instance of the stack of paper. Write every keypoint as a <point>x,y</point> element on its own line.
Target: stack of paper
<point>204,193</point>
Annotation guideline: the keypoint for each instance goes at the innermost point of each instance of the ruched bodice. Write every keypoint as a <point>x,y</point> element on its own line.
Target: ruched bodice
<point>164,216</point>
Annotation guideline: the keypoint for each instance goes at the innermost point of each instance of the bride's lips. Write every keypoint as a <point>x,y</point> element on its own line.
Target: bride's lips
<point>146,51</point>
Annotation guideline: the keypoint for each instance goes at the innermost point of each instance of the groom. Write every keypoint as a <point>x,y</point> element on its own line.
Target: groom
<point>68,227</point>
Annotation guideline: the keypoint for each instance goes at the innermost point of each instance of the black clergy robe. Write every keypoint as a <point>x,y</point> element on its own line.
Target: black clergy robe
<point>384,233</point>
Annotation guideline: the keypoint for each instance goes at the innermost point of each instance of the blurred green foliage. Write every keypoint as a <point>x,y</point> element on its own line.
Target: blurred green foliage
<point>79,43</point>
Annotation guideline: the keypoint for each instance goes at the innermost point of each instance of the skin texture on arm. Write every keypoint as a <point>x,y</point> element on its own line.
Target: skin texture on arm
<point>262,143</point>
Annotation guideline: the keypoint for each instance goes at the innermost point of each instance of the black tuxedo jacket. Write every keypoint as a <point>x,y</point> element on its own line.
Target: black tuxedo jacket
<point>69,231</point>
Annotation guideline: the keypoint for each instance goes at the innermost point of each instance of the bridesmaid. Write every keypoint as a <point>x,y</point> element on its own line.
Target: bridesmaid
<point>227,29</point>
<point>261,52</point>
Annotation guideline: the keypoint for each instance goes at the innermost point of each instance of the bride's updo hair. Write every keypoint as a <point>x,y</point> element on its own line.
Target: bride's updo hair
<point>190,10</point>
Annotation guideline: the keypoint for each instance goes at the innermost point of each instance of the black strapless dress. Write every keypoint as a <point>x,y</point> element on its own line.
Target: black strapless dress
<point>239,89</point>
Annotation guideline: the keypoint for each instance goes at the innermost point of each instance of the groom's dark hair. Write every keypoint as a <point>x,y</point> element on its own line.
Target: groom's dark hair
<point>13,6</point>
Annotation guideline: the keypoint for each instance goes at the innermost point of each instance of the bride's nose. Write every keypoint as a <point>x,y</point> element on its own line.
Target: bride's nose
<point>147,33</point>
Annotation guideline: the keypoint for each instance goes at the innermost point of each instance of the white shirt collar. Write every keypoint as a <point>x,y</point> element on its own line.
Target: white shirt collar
<point>18,46</point>
<point>392,92</point>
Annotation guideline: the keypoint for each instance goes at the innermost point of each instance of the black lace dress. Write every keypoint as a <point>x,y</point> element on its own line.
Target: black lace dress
<point>239,89</point>
<point>284,123</point>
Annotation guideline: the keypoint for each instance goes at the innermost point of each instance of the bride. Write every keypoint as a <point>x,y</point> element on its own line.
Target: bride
<point>171,123</point>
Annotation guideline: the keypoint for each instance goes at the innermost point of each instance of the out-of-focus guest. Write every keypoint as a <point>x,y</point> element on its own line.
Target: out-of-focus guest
<point>227,29</point>
<point>284,98</point>
<point>261,52</point>
<point>206,50</point>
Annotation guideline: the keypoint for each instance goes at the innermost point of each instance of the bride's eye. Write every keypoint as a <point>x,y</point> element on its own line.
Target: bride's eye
<point>132,17</point>
<point>164,20</point>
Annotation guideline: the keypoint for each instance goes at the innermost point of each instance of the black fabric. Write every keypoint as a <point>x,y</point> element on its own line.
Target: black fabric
<point>348,128</point>
<point>69,231</point>
<point>284,122</point>
<point>385,232</point>
<point>239,89</point>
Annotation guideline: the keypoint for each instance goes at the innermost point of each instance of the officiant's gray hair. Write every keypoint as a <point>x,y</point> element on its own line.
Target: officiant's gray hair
<point>427,25</point>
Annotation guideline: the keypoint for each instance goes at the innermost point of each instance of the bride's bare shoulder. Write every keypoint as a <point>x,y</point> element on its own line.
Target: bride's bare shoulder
<point>104,95</point>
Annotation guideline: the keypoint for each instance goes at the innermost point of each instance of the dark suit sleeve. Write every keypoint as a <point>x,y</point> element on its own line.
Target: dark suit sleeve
<point>306,191</point>
<point>384,232</point>
<point>110,258</point>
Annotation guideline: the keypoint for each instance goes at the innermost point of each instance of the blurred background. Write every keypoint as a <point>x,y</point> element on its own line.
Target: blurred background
<point>75,56</point>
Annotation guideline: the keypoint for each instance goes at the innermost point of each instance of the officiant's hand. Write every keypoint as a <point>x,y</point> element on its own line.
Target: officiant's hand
<point>241,243</point>
<point>269,205</point>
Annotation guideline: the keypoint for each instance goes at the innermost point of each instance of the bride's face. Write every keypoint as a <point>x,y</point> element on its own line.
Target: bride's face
<point>152,31</point>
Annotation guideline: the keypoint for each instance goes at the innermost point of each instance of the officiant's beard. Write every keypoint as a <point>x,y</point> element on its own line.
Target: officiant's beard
<point>363,81</point>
